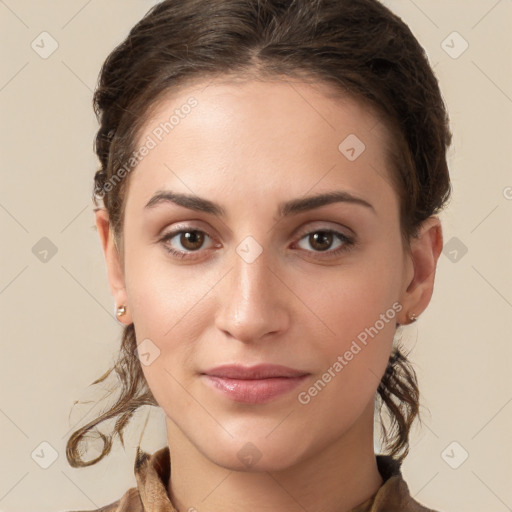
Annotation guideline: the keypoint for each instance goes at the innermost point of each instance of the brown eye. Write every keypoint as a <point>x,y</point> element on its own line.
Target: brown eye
<point>183,242</point>
<point>191,240</point>
<point>321,240</point>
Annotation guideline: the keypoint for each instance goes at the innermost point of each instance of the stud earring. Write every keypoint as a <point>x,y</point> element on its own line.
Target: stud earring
<point>121,310</point>
<point>413,317</point>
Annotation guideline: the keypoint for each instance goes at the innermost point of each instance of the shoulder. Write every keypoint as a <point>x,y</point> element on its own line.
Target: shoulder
<point>129,502</point>
<point>152,474</point>
<point>394,493</point>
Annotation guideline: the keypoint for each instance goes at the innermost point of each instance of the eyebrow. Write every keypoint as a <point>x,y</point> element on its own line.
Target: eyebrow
<point>285,209</point>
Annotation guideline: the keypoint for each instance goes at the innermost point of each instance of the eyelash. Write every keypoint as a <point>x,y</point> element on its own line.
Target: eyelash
<point>348,242</point>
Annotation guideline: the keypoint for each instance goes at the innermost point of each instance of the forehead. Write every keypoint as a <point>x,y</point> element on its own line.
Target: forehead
<point>260,135</point>
<point>281,102</point>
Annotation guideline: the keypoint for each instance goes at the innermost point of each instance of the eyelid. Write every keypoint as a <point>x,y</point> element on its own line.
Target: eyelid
<point>324,226</point>
<point>318,225</point>
<point>192,225</point>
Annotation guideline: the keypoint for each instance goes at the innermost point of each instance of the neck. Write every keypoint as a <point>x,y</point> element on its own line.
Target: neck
<point>336,479</point>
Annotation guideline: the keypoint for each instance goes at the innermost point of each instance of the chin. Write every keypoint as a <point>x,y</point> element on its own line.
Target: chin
<point>254,456</point>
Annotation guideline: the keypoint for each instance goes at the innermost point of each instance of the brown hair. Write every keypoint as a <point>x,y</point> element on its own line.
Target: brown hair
<point>359,47</point>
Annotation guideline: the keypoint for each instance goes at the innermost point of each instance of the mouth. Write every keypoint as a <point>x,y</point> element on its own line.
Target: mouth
<point>253,385</point>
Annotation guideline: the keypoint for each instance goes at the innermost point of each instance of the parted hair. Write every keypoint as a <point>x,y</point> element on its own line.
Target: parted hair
<point>359,47</point>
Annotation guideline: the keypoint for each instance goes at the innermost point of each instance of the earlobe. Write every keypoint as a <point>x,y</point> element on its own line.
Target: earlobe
<point>425,251</point>
<point>114,265</point>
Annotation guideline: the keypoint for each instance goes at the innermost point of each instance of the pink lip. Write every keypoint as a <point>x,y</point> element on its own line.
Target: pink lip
<point>260,371</point>
<point>256,384</point>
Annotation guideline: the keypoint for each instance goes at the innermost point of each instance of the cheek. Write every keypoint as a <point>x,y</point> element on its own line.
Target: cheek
<point>168,312</point>
<point>158,296</point>
<point>363,316</point>
<point>358,309</point>
<point>354,299</point>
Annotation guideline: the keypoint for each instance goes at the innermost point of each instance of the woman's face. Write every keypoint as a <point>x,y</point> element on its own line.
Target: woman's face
<point>260,275</point>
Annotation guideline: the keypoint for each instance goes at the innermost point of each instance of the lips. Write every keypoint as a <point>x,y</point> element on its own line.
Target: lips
<point>253,385</point>
<point>261,371</point>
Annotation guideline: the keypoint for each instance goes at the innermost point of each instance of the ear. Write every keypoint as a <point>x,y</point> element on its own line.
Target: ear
<point>114,264</point>
<point>425,251</point>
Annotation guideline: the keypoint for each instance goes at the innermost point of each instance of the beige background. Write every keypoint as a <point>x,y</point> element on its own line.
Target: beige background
<point>57,323</point>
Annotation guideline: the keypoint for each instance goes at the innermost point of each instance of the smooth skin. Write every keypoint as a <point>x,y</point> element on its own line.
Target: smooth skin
<point>248,147</point>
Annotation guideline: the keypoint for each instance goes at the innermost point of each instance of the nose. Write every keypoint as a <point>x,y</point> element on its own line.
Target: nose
<point>253,300</point>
